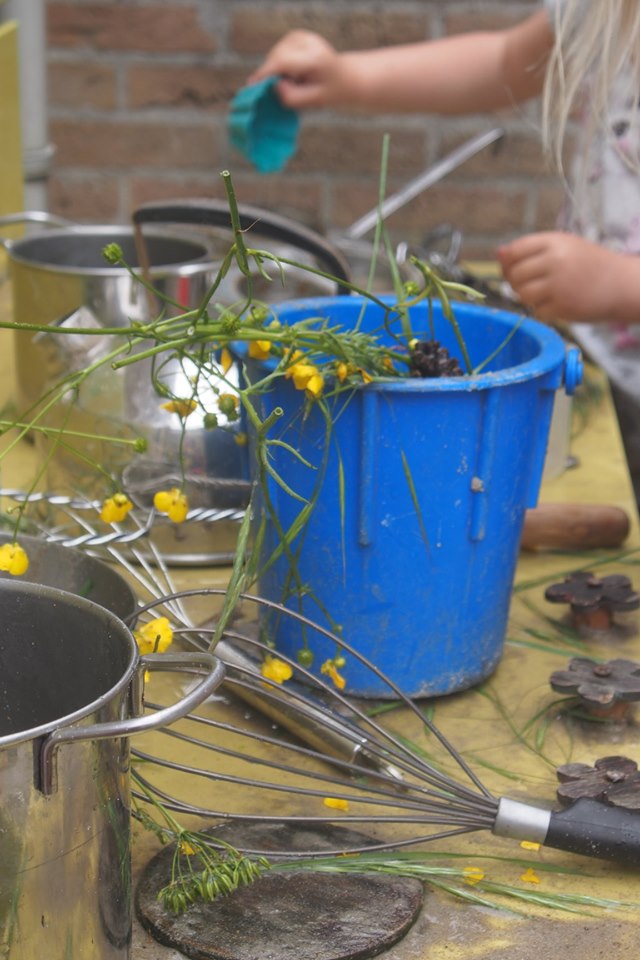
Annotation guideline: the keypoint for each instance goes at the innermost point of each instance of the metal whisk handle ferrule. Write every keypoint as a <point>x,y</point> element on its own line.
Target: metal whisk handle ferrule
<point>588,827</point>
<point>521,821</point>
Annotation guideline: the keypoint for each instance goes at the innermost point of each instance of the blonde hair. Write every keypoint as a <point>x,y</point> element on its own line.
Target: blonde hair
<point>595,41</point>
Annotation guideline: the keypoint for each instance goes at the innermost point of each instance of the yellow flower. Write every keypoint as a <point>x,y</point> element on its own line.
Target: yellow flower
<point>314,387</point>
<point>13,559</point>
<point>241,439</point>
<point>172,502</point>
<point>182,407</point>
<point>366,377</point>
<point>306,376</point>
<point>274,669</point>
<point>259,349</point>
<point>530,876</point>
<point>473,875</point>
<point>187,849</point>
<point>115,508</point>
<point>335,803</point>
<point>155,636</point>
<point>329,668</point>
<point>226,360</point>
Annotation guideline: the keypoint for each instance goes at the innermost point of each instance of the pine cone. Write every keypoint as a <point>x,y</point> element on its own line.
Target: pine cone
<point>430,359</point>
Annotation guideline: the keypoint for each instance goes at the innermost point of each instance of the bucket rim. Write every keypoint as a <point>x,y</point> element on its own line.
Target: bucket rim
<point>110,232</point>
<point>110,620</point>
<point>551,356</point>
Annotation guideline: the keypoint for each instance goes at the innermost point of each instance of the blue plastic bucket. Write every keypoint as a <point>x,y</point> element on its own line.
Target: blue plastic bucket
<point>415,559</point>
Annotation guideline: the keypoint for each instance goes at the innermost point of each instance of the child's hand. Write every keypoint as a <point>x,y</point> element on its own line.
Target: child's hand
<point>311,70</point>
<point>559,276</point>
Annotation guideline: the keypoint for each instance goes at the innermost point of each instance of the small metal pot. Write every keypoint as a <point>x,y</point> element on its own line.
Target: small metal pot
<point>65,568</point>
<point>60,275</point>
<point>71,697</point>
<point>60,278</point>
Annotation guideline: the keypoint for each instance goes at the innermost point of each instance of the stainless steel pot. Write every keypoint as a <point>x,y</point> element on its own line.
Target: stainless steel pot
<point>71,697</point>
<point>59,278</point>
<point>54,565</point>
<point>60,275</point>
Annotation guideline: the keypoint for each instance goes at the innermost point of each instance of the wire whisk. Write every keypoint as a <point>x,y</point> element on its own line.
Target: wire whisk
<point>218,768</point>
<point>304,752</point>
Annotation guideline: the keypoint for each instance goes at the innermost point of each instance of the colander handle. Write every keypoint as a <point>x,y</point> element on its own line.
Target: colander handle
<point>215,213</point>
<point>195,662</point>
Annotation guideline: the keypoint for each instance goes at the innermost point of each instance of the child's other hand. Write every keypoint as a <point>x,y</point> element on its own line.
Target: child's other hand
<point>310,70</point>
<point>559,276</point>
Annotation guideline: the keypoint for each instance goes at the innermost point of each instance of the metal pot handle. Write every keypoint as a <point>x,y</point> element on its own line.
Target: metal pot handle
<point>215,213</point>
<point>194,662</point>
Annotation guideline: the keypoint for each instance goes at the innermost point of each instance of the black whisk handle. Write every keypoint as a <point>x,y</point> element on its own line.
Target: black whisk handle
<point>596,830</point>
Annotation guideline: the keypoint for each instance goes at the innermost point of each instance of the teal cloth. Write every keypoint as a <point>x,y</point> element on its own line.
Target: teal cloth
<point>261,128</point>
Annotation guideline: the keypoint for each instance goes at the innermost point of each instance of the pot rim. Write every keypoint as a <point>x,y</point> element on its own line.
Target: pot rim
<point>201,264</point>
<point>110,620</point>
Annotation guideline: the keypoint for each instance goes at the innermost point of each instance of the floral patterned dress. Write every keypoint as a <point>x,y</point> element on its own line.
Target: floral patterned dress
<point>603,205</point>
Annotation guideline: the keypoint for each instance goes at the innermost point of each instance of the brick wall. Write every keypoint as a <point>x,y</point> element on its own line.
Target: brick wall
<point>138,97</point>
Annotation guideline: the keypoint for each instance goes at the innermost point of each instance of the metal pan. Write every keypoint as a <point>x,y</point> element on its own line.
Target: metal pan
<point>68,569</point>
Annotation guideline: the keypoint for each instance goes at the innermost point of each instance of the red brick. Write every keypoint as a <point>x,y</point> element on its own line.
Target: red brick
<point>357,149</point>
<point>255,28</point>
<point>299,200</point>
<point>183,86</point>
<point>550,199</point>
<point>492,18</point>
<point>127,144</point>
<point>100,26</point>
<point>155,188</point>
<point>82,85</point>
<point>516,154</point>
<point>471,208</point>
<point>93,201</point>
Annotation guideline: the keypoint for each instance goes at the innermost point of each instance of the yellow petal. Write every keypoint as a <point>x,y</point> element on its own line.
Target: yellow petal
<point>182,407</point>
<point>226,360</point>
<point>13,559</point>
<point>315,386</point>
<point>473,875</point>
<point>259,349</point>
<point>291,358</point>
<point>336,803</point>
<point>275,669</point>
<point>329,668</point>
<point>115,508</point>
<point>530,876</point>
<point>302,373</point>
<point>529,845</point>
<point>155,636</point>
<point>342,372</point>
<point>172,502</point>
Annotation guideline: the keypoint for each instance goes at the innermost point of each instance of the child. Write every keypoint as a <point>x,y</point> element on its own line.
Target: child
<point>573,53</point>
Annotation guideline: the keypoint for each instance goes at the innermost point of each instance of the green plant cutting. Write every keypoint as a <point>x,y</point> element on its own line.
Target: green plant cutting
<point>321,359</point>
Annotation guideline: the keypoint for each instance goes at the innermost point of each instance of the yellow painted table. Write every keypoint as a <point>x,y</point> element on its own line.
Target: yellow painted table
<point>495,729</point>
